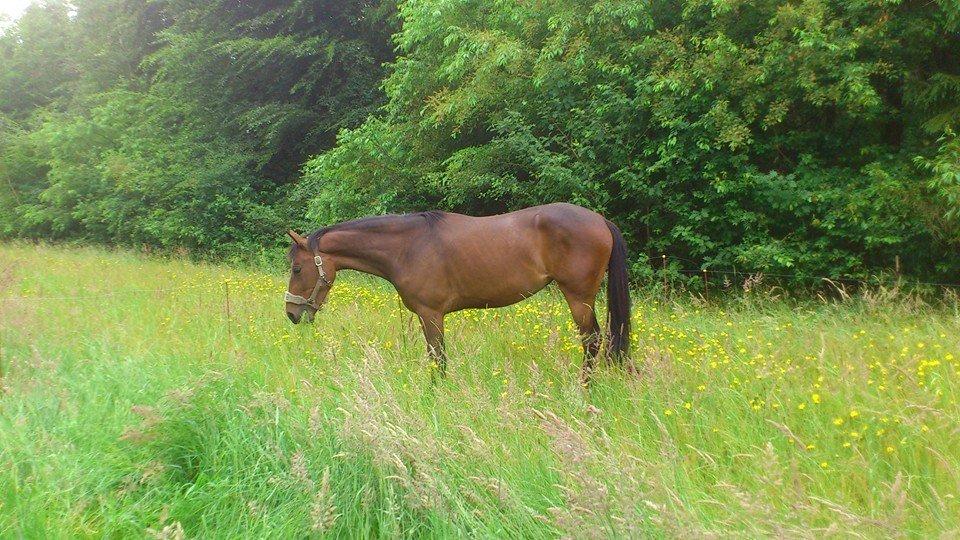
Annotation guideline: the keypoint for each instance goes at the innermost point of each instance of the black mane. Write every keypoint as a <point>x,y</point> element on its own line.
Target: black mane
<point>431,217</point>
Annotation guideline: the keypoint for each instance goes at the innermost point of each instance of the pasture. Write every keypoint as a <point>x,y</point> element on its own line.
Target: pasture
<point>143,406</point>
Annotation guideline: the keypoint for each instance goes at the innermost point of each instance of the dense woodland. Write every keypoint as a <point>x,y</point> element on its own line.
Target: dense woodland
<point>807,137</point>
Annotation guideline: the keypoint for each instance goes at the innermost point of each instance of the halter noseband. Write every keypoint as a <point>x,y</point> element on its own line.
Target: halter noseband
<point>312,301</point>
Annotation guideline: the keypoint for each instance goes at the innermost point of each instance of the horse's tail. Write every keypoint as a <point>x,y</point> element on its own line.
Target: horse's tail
<point>618,295</point>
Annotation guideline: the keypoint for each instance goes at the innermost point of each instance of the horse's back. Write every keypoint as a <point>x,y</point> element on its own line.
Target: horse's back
<point>557,216</point>
<point>499,260</point>
<point>550,227</point>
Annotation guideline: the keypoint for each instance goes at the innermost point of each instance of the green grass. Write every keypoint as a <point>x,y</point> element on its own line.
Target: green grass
<point>150,412</point>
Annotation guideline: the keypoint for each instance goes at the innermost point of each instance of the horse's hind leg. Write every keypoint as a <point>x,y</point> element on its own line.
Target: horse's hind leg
<point>581,307</point>
<point>432,323</point>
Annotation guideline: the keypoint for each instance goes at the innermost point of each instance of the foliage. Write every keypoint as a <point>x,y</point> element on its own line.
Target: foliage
<point>184,123</point>
<point>764,135</point>
<point>810,138</point>
<point>35,60</point>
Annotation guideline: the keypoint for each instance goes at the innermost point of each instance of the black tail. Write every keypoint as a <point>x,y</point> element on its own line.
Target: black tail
<point>618,295</point>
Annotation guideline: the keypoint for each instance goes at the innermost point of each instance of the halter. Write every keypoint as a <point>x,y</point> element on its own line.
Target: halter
<point>312,301</point>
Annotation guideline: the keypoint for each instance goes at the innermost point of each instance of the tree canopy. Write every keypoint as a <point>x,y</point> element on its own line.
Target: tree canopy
<point>177,123</point>
<point>811,137</point>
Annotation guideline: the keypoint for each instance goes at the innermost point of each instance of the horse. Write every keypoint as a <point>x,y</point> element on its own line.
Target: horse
<point>443,262</point>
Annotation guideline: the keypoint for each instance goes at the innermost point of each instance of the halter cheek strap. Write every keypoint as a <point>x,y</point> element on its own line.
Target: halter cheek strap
<point>312,301</point>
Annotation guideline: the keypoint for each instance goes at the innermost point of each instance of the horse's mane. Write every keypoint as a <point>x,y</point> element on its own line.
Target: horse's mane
<point>431,217</point>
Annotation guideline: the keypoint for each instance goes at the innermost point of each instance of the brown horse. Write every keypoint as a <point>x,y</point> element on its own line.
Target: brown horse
<point>442,262</point>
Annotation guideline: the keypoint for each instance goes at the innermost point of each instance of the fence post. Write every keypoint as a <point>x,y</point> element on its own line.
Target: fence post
<point>706,287</point>
<point>663,271</point>
<point>226,297</point>
<point>402,326</point>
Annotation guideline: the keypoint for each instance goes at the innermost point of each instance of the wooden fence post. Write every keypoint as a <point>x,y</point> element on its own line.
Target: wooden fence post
<point>664,272</point>
<point>226,296</point>
<point>706,287</point>
<point>403,327</point>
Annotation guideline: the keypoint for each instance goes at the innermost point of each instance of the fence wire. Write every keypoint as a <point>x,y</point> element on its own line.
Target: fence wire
<point>703,273</point>
<point>733,271</point>
<point>748,273</point>
<point>101,295</point>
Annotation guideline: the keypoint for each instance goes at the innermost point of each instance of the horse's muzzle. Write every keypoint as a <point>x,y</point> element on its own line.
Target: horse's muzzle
<point>298,313</point>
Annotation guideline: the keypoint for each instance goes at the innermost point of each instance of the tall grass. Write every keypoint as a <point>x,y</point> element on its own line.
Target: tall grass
<point>145,411</point>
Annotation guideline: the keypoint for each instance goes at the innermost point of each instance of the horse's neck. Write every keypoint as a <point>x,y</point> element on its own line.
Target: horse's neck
<point>372,251</point>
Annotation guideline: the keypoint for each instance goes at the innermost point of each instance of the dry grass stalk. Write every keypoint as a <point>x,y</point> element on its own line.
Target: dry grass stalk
<point>896,517</point>
<point>266,402</point>
<point>495,487</point>
<point>752,281</point>
<point>757,514</point>
<point>254,508</point>
<point>316,422</point>
<point>145,431</point>
<point>151,472</point>
<point>299,472</point>
<point>588,500</point>
<point>182,395</point>
<point>668,447</point>
<point>656,366</point>
<point>624,509</point>
<point>16,314</point>
<point>174,531</point>
<point>537,381</point>
<point>400,442</point>
<point>323,512</point>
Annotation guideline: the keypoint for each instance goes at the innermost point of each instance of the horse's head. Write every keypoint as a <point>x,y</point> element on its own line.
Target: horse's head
<point>311,276</point>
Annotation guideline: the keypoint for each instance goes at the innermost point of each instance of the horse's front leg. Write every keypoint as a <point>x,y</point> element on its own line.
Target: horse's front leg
<point>432,323</point>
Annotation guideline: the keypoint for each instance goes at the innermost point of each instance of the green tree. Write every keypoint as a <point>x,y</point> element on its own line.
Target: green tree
<point>767,135</point>
<point>179,124</point>
<point>37,65</point>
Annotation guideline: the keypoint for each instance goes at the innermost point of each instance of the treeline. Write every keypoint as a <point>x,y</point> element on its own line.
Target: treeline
<point>178,123</point>
<point>809,137</point>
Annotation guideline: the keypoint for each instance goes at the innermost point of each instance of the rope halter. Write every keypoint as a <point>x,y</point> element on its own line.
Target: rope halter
<point>312,301</point>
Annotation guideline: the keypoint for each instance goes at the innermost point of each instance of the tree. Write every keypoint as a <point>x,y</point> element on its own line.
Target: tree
<point>767,135</point>
<point>178,123</point>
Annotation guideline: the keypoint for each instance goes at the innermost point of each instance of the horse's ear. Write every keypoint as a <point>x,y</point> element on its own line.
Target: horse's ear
<point>301,241</point>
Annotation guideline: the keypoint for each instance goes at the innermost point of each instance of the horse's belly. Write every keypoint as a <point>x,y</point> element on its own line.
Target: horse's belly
<point>498,262</point>
<point>504,294</point>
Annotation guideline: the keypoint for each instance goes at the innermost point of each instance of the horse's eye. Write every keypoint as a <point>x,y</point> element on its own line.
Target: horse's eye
<point>296,269</point>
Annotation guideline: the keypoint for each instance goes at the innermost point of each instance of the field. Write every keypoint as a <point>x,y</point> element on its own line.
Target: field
<point>136,400</point>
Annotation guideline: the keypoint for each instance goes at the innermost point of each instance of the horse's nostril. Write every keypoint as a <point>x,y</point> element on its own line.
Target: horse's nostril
<point>293,318</point>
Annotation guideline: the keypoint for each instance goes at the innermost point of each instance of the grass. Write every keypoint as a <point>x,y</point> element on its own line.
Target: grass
<point>145,413</point>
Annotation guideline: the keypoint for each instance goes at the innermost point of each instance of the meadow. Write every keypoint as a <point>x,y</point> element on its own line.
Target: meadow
<point>137,401</point>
